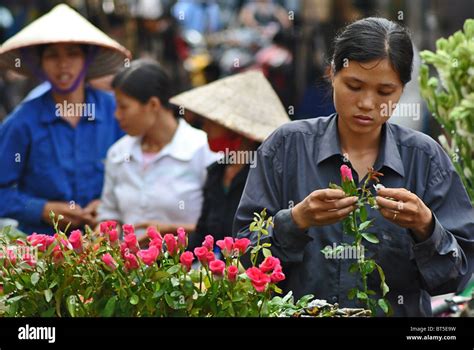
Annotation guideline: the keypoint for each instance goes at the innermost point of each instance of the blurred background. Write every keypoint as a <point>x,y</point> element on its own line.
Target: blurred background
<point>199,41</point>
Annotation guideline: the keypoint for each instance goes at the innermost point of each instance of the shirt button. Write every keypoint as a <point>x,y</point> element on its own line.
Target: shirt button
<point>334,299</point>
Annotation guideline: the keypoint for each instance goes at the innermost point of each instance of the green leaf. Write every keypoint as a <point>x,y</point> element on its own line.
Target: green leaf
<point>134,299</point>
<point>367,267</point>
<point>383,305</point>
<point>370,237</point>
<point>48,313</point>
<point>354,268</point>
<point>160,275</point>
<point>110,307</point>
<point>266,252</point>
<point>35,278</point>
<point>364,225</point>
<point>361,295</point>
<point>18,285</point>
<point>48,295</point>
<point>169,300</point>
<point>352,293</point>
<point>383,285</point>
<point>173,269</point>
<point>71,303</point>
<point>363,213</point>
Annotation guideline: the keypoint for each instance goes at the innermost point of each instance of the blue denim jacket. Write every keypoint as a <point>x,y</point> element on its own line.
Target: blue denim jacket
<point>43,158</point>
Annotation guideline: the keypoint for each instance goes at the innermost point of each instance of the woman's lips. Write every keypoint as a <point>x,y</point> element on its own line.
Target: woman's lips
<point>363,119</point>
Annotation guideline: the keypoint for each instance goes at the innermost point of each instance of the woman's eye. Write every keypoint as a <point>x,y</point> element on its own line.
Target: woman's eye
<point>384,93</point>
<point>353,88</point>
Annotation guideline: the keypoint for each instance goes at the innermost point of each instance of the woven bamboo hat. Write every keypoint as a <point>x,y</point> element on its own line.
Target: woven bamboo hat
<point>62,25</point>
<point>245,103</point>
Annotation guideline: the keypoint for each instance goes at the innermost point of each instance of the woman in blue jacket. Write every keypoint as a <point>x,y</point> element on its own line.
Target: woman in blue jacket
<point>52,147</point>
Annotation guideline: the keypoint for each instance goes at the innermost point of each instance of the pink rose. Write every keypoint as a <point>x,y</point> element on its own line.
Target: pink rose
<point>186,259</point>
<point>258,278</point>
<point>158,243</point>
<point>29,259</point>
<point>106,226</point>
<point>131,241</point>
<point>182,238</point>
<point>241,245</point>
<point>113,236</point>
<point>232,272</point>
<point>128,229</point>
<point>208,243</point>
<point>153,233</point>
<point>11,257</point>
<point>201,254</point>
<point>269,264</point>
<point>217,267</point>
<point>277,275</point>
<point>131,262</point>
<point>346,173</point>
<point>39,241</point>
<point>57,254</point>
<point>75,238</point>
<point>210,256</point>
<point>226,245</point>
<point>109,261</point>
<point>171,244</point>
<point>149,255</point>
<point>123,249</point>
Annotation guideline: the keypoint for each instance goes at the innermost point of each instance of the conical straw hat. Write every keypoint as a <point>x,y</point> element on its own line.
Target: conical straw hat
<point>62,25</point>
<point>244,103</point>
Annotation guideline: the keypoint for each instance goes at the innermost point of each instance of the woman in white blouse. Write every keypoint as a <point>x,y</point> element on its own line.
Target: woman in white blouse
<point>154,174</point>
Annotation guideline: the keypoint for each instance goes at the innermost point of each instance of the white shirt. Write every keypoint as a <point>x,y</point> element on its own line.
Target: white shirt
<point>166,189</point>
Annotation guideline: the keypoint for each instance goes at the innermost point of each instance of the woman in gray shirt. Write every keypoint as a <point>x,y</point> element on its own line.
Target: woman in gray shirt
<point>426,233</point>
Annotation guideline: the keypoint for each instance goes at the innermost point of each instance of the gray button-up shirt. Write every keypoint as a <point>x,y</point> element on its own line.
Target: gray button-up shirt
<point>304,156</point>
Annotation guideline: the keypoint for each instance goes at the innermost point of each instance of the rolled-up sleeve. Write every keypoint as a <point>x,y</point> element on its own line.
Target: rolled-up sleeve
<point>263,189</point>
<point>445,260</point>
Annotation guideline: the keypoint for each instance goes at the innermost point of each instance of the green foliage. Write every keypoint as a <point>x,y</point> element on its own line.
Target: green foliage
<point>450,98</point>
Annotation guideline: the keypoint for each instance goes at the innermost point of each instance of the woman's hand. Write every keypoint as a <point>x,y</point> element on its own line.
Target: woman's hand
<point>406,210</point>
<point>73,214</point>
<point>323,207</point>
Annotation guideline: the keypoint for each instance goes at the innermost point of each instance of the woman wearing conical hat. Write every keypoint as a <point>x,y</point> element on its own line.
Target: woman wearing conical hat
<point>52,147</point>
<point>237,113</point>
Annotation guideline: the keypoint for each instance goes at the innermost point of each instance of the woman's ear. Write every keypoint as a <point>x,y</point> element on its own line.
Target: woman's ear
<point>154,103</point>
<point>329,73</point>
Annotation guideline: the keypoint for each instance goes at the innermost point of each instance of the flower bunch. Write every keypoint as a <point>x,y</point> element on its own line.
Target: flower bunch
<point>97,274</point>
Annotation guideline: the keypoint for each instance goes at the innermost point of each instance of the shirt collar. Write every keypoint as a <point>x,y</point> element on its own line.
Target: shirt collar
<point>389,154</point>
<point>181,146</point>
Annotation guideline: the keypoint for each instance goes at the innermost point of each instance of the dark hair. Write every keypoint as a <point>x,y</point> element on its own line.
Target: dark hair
<point>143,80</point>
<point>375,38</point>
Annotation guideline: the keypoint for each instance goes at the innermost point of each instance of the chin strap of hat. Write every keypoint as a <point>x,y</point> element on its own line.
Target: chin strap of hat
<point>38,72</point>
